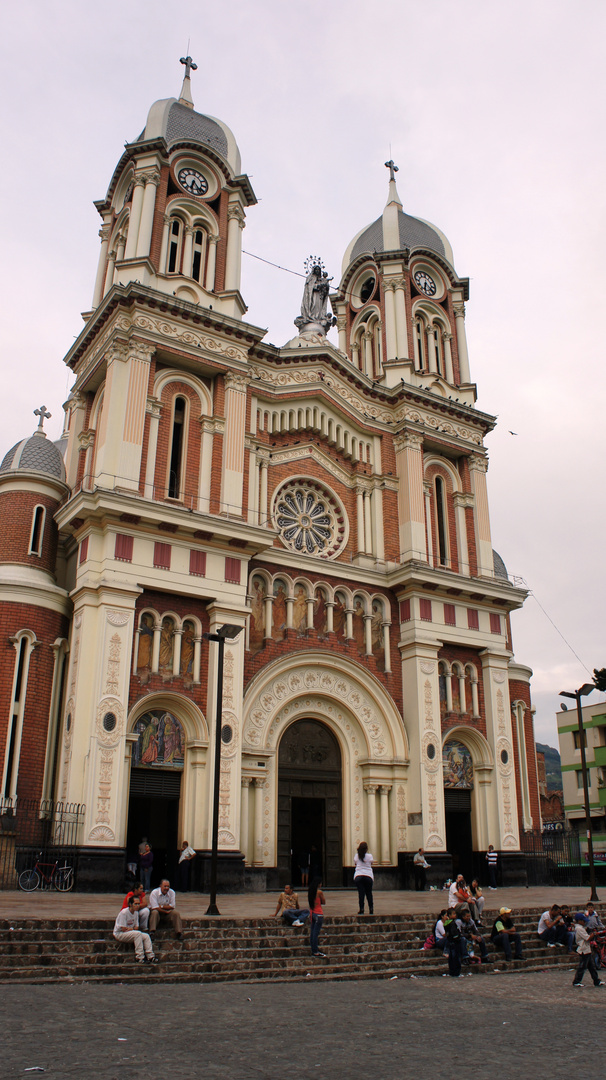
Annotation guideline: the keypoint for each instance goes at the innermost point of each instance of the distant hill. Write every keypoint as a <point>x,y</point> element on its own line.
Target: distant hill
<point>553,767</point>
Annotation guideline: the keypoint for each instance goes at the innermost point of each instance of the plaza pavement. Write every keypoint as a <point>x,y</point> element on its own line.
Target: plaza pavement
<point>54,905</point>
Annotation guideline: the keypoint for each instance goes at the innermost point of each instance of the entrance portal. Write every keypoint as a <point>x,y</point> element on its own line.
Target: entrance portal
<point>309,804</point>
<point>458,785</point>
<point>155,789</point>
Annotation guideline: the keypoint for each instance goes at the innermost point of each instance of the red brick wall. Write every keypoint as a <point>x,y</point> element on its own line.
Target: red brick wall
<point>16,517</point>
<point>191,465</point>
<point>463,655</point>
<point>47,626</point>
<point>520,691</point>
<point>450,523</point>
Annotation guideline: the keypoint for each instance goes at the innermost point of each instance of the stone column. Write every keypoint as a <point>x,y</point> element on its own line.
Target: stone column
<point>390,320</point>
<point>360,519</point>
<point>290,603</point>
<point>134,220</point>
<point>257,852</point>
<point>152,180</point>
<point>432,361</point>
<point>155,664</point>
<point>478,467</point>
<point>400,304</point>
<point>209,282</point>
<point>177,636</point>
<point>462,694</point>
<point>164,245</point>
<point>371,815</point>
<point>448,678</point>
<point>342,331</point>
<point>232,478</point>
<point>475,705</point>
<point>386,645</point>
<point>385,838</point>
<point>499,735</point>
<point>368,359</point>
<point>104,233</point>
<point>368,544</point>
<point>109,277</point>
<point>461,500</point>
<point>459,312</point>
<point>244,825</point>
<point>348,622</point>
<point>330,607</point>
<point>427,487</point>
<point>197,651</point>
<point>355,354</point>
<point>235,220</point>
<point>268,604</point>
<point>310,612</point>
<point>263,493</point>
<point>154,411</point>
<point>409,464</point>
<point>447,338</point>
<point>188,249</point>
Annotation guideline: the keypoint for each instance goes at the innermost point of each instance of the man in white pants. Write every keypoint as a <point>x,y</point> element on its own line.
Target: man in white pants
<point>126,928</point>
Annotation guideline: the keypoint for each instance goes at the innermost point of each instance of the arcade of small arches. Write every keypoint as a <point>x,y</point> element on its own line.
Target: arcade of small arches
<point>458,688</point>
<point>320,421</point>
<point>280,603</point>
<point>168,645</point>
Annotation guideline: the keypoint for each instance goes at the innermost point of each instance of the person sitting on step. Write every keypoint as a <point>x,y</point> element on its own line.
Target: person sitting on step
<point>162,906</point>
<point>288,908</point>
<point>471,938</point>
<point>139,893</point>
<point>126,928</point>
<point>504,932</point>
<point>552,928</point>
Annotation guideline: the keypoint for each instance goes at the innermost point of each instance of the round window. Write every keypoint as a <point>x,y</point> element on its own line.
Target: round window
<point>504,757</point>
<point>431,751</point>
<point>309,519</point>
<point>226,733</point>
<point>109,721</point>
<point>68,722</point>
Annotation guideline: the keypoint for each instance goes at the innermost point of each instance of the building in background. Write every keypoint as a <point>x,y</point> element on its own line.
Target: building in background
<point>594,725</point>
<point>329,499</point>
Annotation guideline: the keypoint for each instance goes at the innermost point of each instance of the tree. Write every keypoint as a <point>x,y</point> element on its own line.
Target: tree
<point>599,678</point>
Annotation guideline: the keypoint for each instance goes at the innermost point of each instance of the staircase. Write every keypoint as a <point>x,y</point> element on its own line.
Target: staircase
<point>237,950</point>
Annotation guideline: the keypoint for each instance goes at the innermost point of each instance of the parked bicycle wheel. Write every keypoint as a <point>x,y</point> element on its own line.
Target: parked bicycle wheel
<point>29,880</point>
<point>64,879</point>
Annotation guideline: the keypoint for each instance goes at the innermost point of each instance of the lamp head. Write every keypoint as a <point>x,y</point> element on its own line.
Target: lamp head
<point>229,631</point>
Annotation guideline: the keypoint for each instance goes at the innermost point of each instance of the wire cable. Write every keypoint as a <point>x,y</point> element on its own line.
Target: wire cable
<point>284,268</point>
<point>558,631</point>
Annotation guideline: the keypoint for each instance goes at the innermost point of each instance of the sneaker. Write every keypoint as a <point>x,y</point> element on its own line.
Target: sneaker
<point>551,945</point>
<point>577,984</point>
<point>318,954</point>
<point>297,922</point>
<point>600,983</point>
<point>151,960</point>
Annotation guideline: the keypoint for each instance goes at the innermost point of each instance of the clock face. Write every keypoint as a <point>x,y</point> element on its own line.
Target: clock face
<point>193,181</point>
<point>425,283</point>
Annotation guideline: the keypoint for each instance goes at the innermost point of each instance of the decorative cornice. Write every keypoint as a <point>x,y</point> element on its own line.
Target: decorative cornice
<point>167,328</point>
<point>235,380</point>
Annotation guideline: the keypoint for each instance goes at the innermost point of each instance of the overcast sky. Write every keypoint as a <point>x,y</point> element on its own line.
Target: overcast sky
<point>495,114</point>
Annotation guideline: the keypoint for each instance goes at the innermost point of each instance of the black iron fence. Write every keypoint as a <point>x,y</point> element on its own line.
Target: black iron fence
<point>34,831</point>
<point>553,858</point>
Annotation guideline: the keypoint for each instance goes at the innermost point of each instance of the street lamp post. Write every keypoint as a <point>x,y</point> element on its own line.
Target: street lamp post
<point>577,695</point>
<point>229,633</point>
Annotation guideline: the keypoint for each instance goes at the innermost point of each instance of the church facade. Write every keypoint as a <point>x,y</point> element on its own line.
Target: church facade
<point>329,499</point>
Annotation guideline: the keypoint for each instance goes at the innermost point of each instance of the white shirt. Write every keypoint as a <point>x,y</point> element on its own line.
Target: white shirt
<point>158,899</point>
<point>363,867</point>
<point>126,920</point>
<point>440,931</point>
<point>545,918</point>
<point>187,853</point>
<point>452,895</point>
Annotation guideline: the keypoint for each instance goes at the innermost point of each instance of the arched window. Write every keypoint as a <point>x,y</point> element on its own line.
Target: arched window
<point>441,522</point>
<point>176,448</point>
<point>438,332</point>
<point>24,643</point>
<point>174,247</point>
<point>420,341</point>
<point>198,255</point>
<point>37,533</point>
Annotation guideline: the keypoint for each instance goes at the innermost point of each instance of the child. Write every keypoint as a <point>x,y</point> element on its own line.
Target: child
<point>586,961</point>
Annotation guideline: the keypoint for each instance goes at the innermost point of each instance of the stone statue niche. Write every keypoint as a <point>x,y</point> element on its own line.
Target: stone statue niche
<point>313,318</point>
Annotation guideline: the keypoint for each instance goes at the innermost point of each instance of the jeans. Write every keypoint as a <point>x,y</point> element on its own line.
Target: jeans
<point>503,941</point>
<point>586,963</point>
<point>290,915</point>
<point>364,886</point>
<point>454,957</point>
<point>420,878</point>
<point>558,933</point>
<point>146,879</point>
<point>314,935</point>
<point>492,876</point>
<point>477,946</point>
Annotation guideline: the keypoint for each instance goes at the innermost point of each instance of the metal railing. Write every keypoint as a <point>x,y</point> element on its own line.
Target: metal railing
<point>32,827</point>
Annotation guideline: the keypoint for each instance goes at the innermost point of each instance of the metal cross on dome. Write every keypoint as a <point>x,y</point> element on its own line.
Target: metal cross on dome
<point>189,65</point>
<point>43,414</point>
<point>393,168</point>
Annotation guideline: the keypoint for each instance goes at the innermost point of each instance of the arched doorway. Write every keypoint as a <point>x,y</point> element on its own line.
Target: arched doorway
<point>309,803</point>
<point>155,789</point>
<point>458,789</point>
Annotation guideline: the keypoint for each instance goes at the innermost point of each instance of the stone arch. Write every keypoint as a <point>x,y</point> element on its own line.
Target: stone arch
<point>191,717</point>
<point>484,814</point>
<point>357,710</point>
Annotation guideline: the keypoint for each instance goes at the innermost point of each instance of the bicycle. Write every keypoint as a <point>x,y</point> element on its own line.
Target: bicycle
<point>61,876</point>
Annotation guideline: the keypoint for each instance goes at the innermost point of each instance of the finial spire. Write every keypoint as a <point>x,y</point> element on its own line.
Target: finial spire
<point>185,97</point>
<point>44,415</point>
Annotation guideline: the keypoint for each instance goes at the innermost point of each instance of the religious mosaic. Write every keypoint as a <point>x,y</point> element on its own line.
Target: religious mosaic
<point>458,765</point>
<point>161,740</point>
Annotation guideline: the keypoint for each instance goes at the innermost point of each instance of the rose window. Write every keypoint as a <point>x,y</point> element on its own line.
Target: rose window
<point>309,519</point>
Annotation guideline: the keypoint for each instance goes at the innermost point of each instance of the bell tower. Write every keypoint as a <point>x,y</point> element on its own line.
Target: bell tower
<point>175,209</point>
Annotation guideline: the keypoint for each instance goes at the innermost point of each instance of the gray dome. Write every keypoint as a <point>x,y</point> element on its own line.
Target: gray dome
<point>413,233</point>
<point>500,570</point>
<point>35,454</point>
<point>169,119</point>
